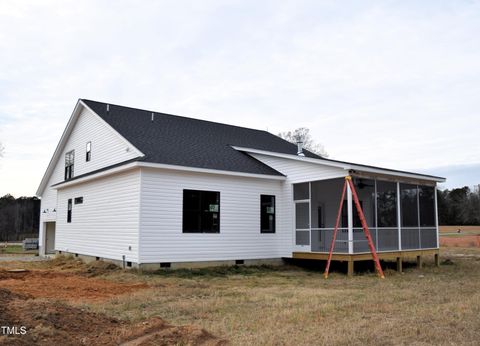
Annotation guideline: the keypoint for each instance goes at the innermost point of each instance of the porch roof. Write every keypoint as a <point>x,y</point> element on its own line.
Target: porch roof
<point>352,168</point>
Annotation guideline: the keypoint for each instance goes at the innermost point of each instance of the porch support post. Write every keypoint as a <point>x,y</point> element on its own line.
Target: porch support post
<point>419,262</point>
<point>436,215</point>
<point>399,221</point>
<point>399,264</point>
<point>350,268</point>
<point>350,220</point>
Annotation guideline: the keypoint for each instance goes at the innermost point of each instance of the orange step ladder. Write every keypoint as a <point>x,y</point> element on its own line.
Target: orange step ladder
<point>348,181</point>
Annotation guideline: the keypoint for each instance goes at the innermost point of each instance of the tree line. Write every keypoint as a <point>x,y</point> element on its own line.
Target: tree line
<point>19,218</point>
<point>459,206</point>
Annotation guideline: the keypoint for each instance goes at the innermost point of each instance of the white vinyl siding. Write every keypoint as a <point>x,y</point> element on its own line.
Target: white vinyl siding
<point>106,223</point>
<point>108,148</point>
<point>162,239</point>
<point>297,172</point>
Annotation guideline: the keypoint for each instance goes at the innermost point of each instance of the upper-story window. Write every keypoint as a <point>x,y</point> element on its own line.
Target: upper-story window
<point>69,161</point>
<point>89,152</point>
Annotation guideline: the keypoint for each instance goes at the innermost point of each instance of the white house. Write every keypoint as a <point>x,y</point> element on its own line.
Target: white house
<point>158,190</point>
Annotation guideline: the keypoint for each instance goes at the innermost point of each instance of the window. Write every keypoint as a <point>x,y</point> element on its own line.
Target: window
<point>89,152</point>
<point>267,214</point>
<point>69,211</point>
<point>78,200</point>
<point>201,211</point>
<point>409,205</point>
<point>69,161</point>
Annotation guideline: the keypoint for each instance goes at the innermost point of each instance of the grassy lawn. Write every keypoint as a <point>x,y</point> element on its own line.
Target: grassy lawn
<point>295,306</point>
<point>15,249</point>
<point>287,305</point>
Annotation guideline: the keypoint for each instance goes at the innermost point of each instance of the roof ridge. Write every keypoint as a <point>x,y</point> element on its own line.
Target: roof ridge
<point>180,116</point>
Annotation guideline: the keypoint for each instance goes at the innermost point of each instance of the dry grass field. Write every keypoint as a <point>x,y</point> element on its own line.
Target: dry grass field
<point>286,305</point>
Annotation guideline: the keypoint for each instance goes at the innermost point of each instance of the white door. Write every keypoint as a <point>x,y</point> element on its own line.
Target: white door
<point>50,237</point>
<point>302,226</point>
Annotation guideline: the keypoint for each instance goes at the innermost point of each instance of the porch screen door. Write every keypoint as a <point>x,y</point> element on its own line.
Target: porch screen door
<point>302,224</point>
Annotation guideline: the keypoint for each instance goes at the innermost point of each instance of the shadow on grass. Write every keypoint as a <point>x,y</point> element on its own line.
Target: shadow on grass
<point>311,266</point>
<point>221,271</point>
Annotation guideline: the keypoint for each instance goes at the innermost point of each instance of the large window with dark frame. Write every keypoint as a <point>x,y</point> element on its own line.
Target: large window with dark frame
<point>88,154</point>
<point>69,163</point>
<point>267,214</point>
<point>201,211</point>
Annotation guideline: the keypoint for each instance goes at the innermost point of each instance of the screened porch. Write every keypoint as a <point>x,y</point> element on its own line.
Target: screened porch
<point>400,216</point>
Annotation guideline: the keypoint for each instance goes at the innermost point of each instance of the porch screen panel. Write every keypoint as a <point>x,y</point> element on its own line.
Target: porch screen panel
<point>302,224</point>
<point>428,238</point>
<point>302,216</point>
<point>301,191</point>
<point>410,238</point>
<point>386,204</point>
<point>387,239</point>
<point>409,205</point>
<point>426,199</point>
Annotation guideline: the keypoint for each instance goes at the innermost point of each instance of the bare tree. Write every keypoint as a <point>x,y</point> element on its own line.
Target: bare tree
<point>302,134</point>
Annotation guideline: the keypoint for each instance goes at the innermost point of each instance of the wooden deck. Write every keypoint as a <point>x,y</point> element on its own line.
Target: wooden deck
<point>399,256</point>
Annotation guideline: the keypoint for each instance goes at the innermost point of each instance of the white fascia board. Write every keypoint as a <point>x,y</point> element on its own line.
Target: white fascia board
<point>66,132</point>
<point>126,142</point>
<point>211,171</point>
<point>345,166</point>
<point>94,176</point>
<point>138,164</point>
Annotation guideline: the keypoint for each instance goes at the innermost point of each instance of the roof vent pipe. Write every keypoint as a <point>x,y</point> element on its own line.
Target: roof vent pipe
<point>152,116</point>
<point>108,108</point>
<point>300,148</point>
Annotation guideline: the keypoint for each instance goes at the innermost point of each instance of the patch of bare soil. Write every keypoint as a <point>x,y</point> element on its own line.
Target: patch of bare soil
<point>463,241</point>
<point>50,323</point>
<point>64,285</point>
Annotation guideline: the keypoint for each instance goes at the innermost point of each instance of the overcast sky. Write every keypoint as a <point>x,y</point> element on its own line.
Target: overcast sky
<point>387,83</point>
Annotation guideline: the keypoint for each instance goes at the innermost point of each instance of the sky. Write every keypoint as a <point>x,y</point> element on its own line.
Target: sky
<point>386,83</point>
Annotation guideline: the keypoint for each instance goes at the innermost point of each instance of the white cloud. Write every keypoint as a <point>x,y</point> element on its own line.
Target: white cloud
<point>384,83</point>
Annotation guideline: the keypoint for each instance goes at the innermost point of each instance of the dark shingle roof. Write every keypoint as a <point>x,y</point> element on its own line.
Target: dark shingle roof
<point>177,140</point>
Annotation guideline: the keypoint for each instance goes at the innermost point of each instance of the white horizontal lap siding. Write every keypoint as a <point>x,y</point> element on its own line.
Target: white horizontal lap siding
<point>161,235</point>
<point>296,172</point>
<point>107,222</point>
<point>108,148</point>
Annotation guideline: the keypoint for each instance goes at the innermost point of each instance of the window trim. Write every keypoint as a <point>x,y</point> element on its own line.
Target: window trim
<point>274,214</point>
<point>69,210</point>
<point>69,168</point>
<point>200,212</point>
<point>88,151</point>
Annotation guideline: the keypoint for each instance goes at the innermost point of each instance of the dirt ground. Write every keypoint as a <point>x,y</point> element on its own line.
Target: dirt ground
<point>40,300</point>
<point>287,305</point>
<point>464,241</point>
<point>63,286</point>
<point>463,229</point>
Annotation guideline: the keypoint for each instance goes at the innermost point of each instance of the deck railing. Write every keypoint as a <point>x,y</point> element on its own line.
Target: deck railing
<point>384,239</point>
